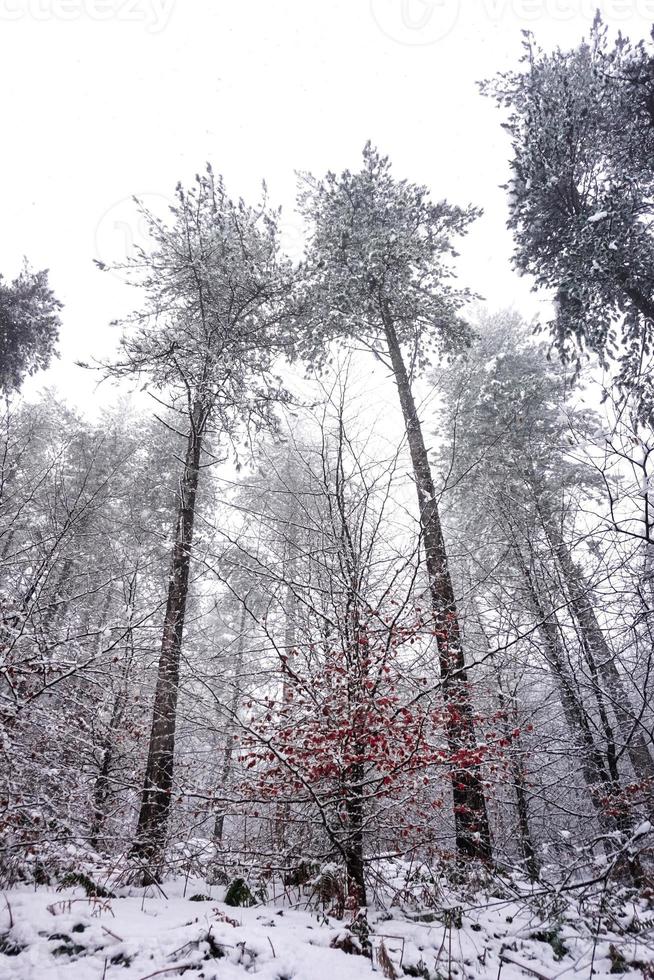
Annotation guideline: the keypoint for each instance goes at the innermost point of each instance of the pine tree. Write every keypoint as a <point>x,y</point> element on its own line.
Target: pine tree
<point>205,343</point>
<point>29,327</point>
<point>378,274</point>
<point>580,194</point>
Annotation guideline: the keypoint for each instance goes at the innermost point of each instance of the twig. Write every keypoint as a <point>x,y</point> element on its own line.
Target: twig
<point>272,947</point>
<point>169,969</point>
<point>11,917</point>
<point>510,957</point>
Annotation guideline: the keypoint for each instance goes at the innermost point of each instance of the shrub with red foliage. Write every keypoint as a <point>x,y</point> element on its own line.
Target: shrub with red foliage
<point>355,738</point>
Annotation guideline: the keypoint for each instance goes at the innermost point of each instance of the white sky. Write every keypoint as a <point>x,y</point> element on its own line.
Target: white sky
<point>103,99</point>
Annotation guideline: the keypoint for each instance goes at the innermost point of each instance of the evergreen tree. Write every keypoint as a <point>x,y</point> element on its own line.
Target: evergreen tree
<point>378,274</point>
<point>29,327</point>
<point>205,342</point>
<point>581,190</point>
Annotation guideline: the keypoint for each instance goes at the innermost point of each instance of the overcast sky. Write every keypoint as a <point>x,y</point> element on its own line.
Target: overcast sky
<point>102,99</point>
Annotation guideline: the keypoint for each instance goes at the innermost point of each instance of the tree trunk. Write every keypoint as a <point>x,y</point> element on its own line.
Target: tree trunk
<point>102,787</point>
<point>631,731</point>
<point>283,810</point>
<point>157,789</point>
<point>219,824</point>
<point>517,769</point>
<point>595,773</point>
<point>601,786</point>
<point>470,817</point>
<point>354,864</point>
<point>109,744</point>
<point>532,863</point>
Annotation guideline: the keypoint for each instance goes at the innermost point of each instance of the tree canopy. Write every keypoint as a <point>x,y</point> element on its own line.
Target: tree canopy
<point>29,327</point>
<point>580,193</point>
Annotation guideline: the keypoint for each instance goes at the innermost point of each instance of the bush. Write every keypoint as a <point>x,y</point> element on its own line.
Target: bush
<point>72,879</point>
<point>239,894</point>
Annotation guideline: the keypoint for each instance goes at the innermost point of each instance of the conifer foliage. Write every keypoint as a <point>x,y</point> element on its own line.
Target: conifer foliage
<point>580,194</point>
<point>29,327</point>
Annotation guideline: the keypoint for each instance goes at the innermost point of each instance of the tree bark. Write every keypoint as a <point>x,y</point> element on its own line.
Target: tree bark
<point>631,732</point>
<point>601,786</point>
<point>219,824</point>
<point>102,787</point>
<point>158,784</point>
<point>595,773</point>
<point>532,863</point>
<point>470,816</point>
<point>354,863</point>
<point>283,810</point>
<point>518,775</point>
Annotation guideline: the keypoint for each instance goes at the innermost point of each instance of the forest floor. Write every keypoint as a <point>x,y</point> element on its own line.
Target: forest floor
<point>49,934</point>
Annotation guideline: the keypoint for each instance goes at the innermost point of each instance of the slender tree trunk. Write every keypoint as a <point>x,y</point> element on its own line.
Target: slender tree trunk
<point>532,863</point>
<point>354,864</point>
<point>219,824</point>
<point>354,775</point>
<point>601,786</point>
<point>158,784</point>
<point>594,770</point>
<point>8,542</point>
<point>601,658</point>
<point>102,787</point>
<point>517,770</point>
<point>470,816</point>
<point>283,810</point>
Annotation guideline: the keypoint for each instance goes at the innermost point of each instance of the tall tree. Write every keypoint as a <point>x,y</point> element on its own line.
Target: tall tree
<point>378,274</point>
<point>205,341</point>
<point>581,190</point>
<point>521,439</point>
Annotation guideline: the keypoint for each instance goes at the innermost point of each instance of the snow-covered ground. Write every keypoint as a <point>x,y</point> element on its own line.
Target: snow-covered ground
<point>47,934</point>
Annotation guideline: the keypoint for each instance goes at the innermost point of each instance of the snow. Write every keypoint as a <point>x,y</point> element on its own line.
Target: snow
<point>598,216</point>
<point>62,935</point>
<point>154,934</point>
